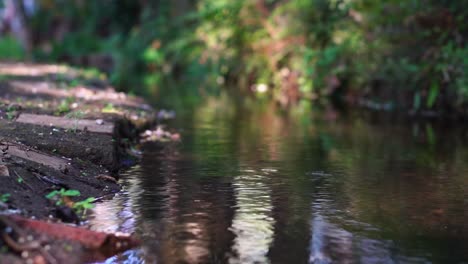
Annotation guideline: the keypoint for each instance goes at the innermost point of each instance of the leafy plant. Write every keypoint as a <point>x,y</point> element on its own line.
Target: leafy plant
<point>109,108</point>
<point>11,112</point>
<point>5,197</point>
<point>11,115</point>
<point>61,198</point>
<point>76,114</point>
<point>10,48</point>
<point>58,195</point>
<point>64,106</point>
<point>82,206</point>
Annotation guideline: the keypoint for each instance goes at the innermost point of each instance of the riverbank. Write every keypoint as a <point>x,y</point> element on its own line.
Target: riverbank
<point>64,136</point>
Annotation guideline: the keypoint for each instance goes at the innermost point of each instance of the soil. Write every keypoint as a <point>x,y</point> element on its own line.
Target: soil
<point>37,159</point>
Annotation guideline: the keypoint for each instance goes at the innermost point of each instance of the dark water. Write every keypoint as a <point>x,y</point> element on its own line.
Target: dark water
<point>257,186</point>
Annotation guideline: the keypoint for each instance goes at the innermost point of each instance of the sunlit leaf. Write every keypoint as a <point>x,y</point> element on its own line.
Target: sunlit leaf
<point>51,194</point>
<point>71,193</point>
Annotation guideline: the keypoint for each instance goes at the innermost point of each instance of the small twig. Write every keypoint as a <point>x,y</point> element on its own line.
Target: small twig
<point>23,181</point>
<point>54,181</point>
<point>106,178</point>
<point>38,176</point>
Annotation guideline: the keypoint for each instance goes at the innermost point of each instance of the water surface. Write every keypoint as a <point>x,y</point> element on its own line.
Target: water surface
<point>253,185</point>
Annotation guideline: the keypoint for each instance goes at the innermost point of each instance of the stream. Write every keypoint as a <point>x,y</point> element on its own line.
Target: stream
<point>253,185</point>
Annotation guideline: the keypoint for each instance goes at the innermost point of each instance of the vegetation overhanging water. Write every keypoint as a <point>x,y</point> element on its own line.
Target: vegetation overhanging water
<point>391,55</point>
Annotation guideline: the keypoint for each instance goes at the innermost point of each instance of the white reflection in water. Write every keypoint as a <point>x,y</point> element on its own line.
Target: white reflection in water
<point>118,214</point>
<point>252,223</point>
<point>113,216</point>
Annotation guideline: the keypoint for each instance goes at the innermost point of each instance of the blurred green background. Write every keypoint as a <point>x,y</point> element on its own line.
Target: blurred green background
<point>386,55</point>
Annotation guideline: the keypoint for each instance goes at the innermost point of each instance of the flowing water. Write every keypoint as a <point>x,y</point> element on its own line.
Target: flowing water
<point>251,185</point>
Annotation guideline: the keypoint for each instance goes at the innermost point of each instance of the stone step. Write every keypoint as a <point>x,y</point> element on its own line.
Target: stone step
<point>24,152</point>
<point>98,148</point>
<point>95,126</point>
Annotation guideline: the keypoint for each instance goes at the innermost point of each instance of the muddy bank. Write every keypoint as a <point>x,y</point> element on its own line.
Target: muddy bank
<point>64,137</point>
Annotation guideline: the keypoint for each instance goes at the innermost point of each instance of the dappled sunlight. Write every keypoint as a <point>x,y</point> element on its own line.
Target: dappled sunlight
<point>49,80</point>
<point>119,213</point>
<point>51,91</point>
<point>33,70</point>
<point>114,215</point>
<point>41,88</point>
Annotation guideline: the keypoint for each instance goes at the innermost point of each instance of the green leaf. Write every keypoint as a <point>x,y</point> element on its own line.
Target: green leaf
<point>417,101</point>
<point>152,55</point>
<point>88,206</point>
<point>4,197</point>
<point>85,204</point>
<point>89,200</point>
<point>71,193</point>
<point>432,96</point>
<point>51,194</point>
<point>431,139</point>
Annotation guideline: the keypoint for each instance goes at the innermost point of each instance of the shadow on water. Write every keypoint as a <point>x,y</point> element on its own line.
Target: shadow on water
<point>253,186</point>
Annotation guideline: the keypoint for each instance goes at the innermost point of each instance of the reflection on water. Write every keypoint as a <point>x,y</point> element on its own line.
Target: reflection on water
<point>252,223</point>
<point>118,214</point>
<point>255,186</point>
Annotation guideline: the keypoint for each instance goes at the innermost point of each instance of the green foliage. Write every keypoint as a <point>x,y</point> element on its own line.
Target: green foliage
<point>409,53</point>
<point>79,207</point>
<point>57,195</point>
<point>10,49</point>
<point>82,206</point>
<point>432,96</point>
<point>11,112</point>
<point>109,108</point>
<point>5,197</point>
<point>64,106</point>
<point>11,115</point>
